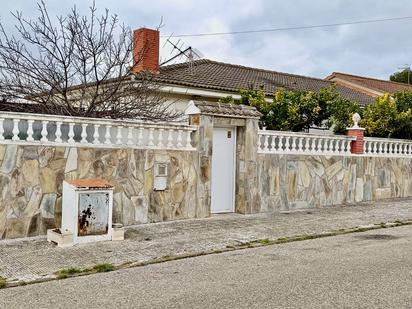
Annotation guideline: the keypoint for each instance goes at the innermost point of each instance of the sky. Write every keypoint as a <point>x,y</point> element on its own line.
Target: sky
<point>374,50</point>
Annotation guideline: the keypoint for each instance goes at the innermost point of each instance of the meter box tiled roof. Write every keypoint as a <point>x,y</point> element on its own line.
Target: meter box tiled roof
<point>227,109</point>
<point>89,184</point>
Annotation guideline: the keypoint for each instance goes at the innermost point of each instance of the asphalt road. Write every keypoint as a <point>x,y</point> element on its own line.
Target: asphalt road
<point>362,270</point>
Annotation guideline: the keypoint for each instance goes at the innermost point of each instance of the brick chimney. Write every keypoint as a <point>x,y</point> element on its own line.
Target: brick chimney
<point>145,50</point>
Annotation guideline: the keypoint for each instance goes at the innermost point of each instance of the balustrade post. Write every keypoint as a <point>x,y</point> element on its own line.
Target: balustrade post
<point>16,130</point>
<point>130,136</point>
<point>119,136</point>
<point>107,136</point>
<point>84,134</point>
<point>151,137</point>
<point>160,138</point>
<point>300,146</point>
<point>29,130</point>
<point>188,139</point>
<point>71,133</point>
<point>179,138</point>
<point>140,137</point>
<point>96,134</point>
<point>58,132</point>
<point>43,131</point>
<point>170,139</point>
<point>266,143</point>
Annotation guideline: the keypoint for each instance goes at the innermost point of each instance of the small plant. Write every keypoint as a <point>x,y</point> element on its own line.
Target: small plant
<point>103,268</point>
<point>3,282</point>
<point>64,273</point>
<point>264,241</point>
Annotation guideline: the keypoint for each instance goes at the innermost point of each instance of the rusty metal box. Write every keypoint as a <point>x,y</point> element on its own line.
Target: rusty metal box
<point>87,209</point>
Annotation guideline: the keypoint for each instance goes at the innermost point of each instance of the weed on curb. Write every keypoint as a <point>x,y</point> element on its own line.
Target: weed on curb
<point>74,271</point>
<point>3,282</point>
<point>103,268</point>
<point>65,273</point>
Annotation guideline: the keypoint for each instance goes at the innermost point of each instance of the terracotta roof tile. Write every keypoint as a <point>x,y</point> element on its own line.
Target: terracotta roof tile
<point>208,74</point>
<point>372,83</point>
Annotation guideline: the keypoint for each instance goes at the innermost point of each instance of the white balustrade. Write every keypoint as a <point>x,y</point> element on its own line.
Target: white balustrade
<point>21,128</point>
<point>388,147</point>
<point>302,143</point>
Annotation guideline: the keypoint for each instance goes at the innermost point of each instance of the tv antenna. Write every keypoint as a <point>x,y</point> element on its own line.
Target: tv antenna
<point>179,51</point>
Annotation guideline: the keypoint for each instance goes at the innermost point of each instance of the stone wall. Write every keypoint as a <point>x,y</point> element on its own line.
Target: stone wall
<point>288,182</point>
<point>31,185</point>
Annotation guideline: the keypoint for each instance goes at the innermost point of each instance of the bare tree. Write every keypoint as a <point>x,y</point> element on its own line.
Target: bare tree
<point>79,65</point>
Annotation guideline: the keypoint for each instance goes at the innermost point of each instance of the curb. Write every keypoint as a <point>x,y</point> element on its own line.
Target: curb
<point>241,246</point>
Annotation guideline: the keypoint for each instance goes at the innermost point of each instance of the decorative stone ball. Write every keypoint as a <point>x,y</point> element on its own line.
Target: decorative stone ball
<point>356,118</point>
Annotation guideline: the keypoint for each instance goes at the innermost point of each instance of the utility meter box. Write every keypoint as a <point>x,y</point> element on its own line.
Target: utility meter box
<point>160,177</point>
<point>87,209</point>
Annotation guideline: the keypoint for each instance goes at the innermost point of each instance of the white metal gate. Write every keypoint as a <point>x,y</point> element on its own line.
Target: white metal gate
<point>223,170</point>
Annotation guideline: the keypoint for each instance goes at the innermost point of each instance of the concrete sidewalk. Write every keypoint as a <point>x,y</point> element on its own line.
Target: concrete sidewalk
<point>34,259</point>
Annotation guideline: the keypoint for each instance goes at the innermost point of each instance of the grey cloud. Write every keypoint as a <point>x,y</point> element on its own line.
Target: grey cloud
<point>372,50</point>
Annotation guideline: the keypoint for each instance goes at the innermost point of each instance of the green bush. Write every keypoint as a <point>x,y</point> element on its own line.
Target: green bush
<point>291,110</point>
<point>296,110</point>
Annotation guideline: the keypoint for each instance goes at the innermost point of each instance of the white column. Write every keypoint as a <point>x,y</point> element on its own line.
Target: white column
<point>58,132</point>
<point>16,130</point>
<point>119,136</point>
<point>328,145</point>
<point>160,138</point>
<point>287,144</point>
<point>347,149</point>
<point>84,134</point>
<point>130,136</point>
<point>319,146</point>
<point>107,136</point>
<point>266,143</point>
<point>29,130</point>
<point>96,134</point>
<point>294,144</point>
<point>189,139</point>
<point>43,131</point>
<point>71,133</point>
<point>381,151</point>
<point>151,137</point>
<point>170,138</point>
<point>300,147</point>
<point>179,138</point>
<point>140,137</point>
